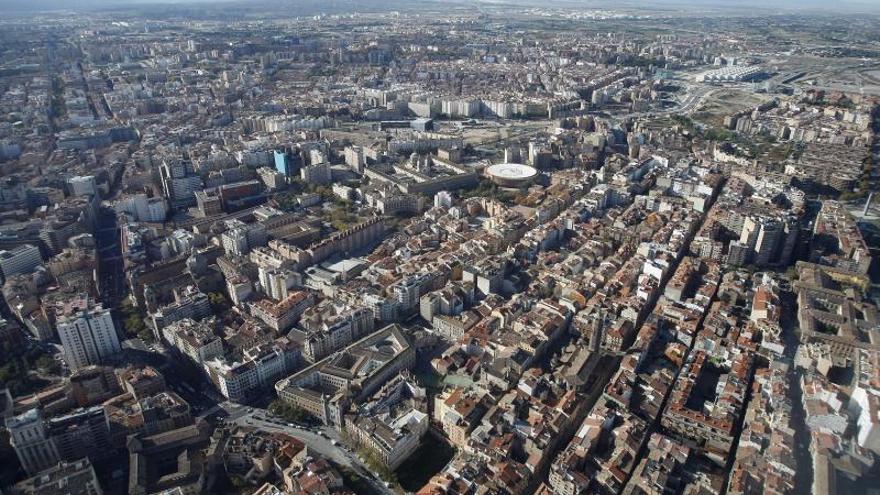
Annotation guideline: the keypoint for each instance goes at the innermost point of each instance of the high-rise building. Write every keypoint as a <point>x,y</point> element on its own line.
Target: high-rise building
<point>443,199</point>
<point>27,435</point>
<point>82,185</point>
<point>272,178</point>
<point>408,290</point>
<point>209,204</point>
<point>22,259</point>
<point>355,159</point>
<point>767,242</point>
<point>179,183</point>
<point>149,209</point>
<point>83,432</point>
<point>55,233</point>
<point>86,331</point>
<point>738,254</point>
<point>319,174</point>
<point>277,282</point>
<point>241,238</point>
<point>286,163</point>
<point>235,241</point>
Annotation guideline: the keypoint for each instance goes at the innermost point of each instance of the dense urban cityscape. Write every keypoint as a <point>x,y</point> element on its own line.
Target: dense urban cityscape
<point>461,248</point>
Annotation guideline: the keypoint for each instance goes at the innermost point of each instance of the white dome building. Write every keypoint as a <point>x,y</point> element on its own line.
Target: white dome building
<point>511,174</point>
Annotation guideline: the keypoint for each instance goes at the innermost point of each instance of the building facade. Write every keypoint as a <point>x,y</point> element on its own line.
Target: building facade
<point>87,333</point>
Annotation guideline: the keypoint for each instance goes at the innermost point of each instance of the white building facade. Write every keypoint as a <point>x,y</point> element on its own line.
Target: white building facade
<point>88,336</point>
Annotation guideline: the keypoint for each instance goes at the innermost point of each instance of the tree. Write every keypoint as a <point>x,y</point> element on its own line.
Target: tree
<point>132,321</point>
<point>718,134</point>
<point>237,482</point>
<point>48,365</point>
<point>285,201</point>
<point>219,303</point>
<point>341,215</point>
<point>376,464</point>
<point>14,365</point>
<point>134,325</point>
<point>289,412</point>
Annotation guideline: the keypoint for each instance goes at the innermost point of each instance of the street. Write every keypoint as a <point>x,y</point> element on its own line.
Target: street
<point>319,439</point>
<point>111,276</point>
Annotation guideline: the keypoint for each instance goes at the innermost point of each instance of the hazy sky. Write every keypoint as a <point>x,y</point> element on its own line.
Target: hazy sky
<point>816,5</point>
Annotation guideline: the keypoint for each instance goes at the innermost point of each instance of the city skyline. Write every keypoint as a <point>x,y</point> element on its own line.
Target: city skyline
<point>504,247</point>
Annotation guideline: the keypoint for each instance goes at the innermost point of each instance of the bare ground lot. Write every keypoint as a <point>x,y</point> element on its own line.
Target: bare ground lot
<point>726,101</point>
